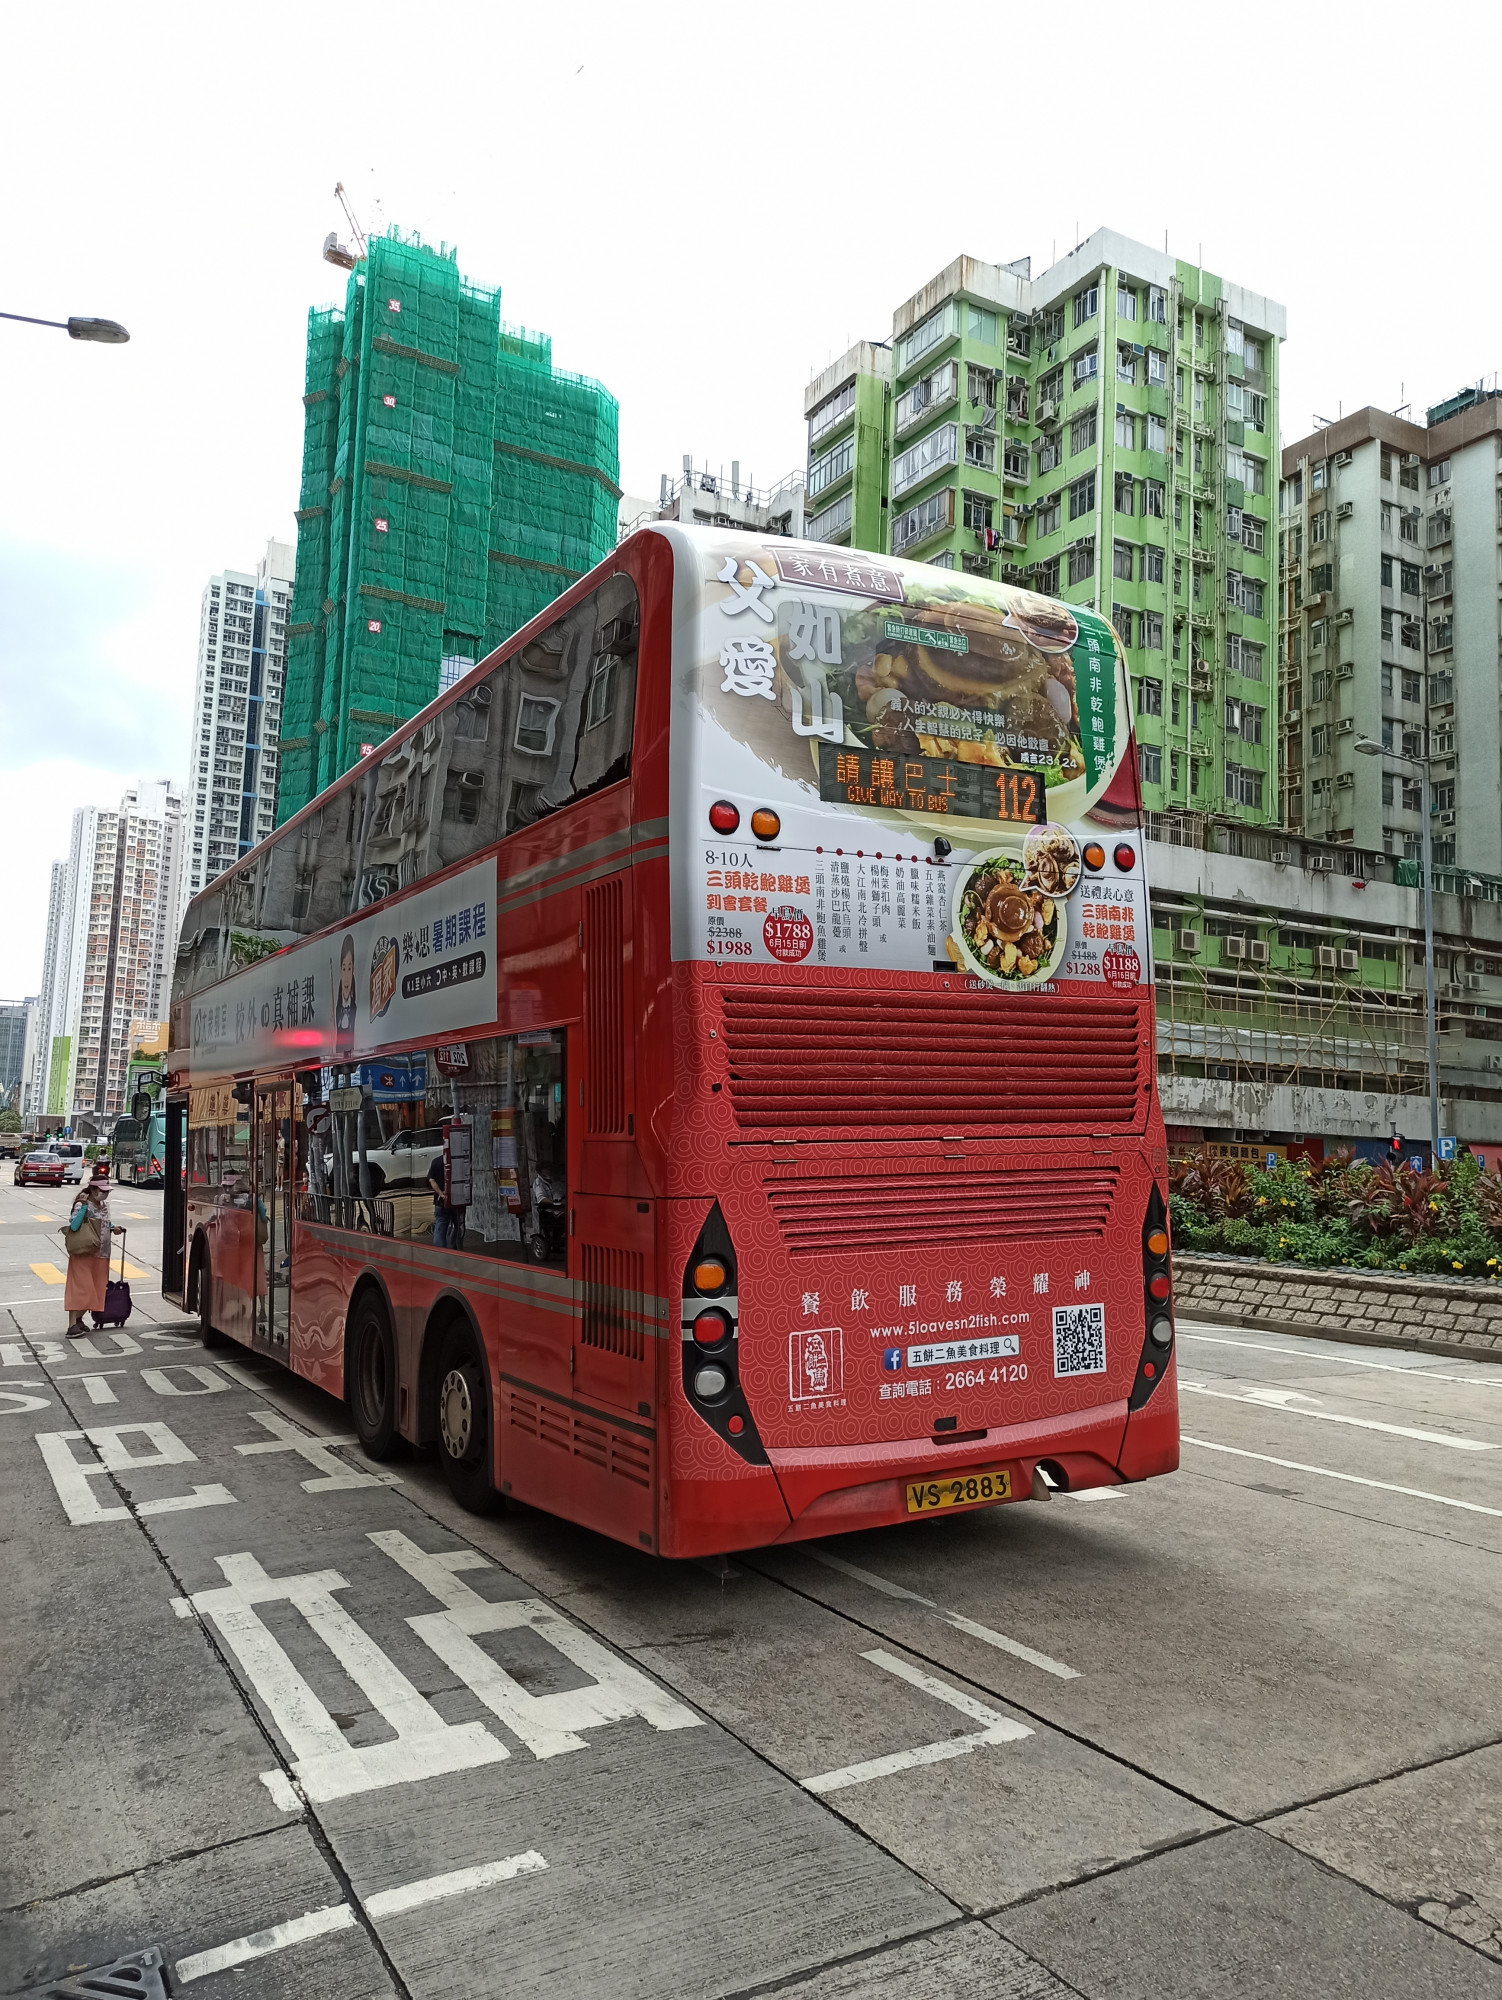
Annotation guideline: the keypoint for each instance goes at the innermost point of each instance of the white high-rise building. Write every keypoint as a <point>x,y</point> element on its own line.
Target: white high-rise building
<point>111,939</point>
<point>237,714</point>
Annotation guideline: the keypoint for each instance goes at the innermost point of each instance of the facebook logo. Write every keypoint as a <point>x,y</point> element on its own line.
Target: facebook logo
<point>891,1359</point>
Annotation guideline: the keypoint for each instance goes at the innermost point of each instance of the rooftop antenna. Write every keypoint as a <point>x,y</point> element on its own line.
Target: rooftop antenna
<point>334,251</point>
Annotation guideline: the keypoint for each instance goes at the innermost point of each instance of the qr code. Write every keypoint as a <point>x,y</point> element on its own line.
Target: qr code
<point>1079,1340</point>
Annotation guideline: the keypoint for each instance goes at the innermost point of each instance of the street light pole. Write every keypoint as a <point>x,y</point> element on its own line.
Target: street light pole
<point>1369,748</point>
<point>108,331</point>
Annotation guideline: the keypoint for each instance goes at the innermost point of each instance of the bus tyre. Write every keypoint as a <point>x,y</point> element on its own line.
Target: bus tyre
<point>464,1446</point>
<point>370,1377</point>
<point>208,1333</point>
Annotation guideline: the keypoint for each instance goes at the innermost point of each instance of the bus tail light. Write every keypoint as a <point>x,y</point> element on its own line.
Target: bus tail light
<point>1157,1290</point>
<point>711,1340</point>
<point>765,824</point>
<point>724,817</point>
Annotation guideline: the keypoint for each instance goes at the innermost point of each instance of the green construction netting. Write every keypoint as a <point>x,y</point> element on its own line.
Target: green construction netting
<point>453,483</point>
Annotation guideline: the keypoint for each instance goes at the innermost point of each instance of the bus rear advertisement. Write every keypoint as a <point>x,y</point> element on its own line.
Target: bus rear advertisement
<point>698,1074</point>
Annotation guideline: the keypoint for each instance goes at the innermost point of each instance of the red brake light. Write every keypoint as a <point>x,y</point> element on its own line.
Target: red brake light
<point>710,1328</point>
<point>1158,1285</point>
<point>724,817</point>
<point>1125,856</point>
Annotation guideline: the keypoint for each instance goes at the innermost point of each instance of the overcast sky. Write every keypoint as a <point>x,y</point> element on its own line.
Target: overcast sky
<point>702,205</point>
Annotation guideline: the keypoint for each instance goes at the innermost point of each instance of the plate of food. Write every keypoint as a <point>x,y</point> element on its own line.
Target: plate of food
<point>1051,859</point>
<point>1005,929</point>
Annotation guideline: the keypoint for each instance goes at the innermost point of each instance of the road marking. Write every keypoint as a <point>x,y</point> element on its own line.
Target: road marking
<point>49,1274</point>
<point>549,1724</point>
<point>44,1218</point>
<point>324,1764</point>
<point>95,1387</point>
<point>71,1477</point>
<point>337,1477</point>
<point>998,1729</point>
<point>1485,1377</point>
<point>13,1403</point>
<point>317,1923</point>
<point>999,1640</point>
<point>1096,1493</point>
<point>122,1343</point>
<point>1350,1478</point>
<point>14,1354</point>
<point>135,1215</point>
<point>160,1382</point>
<point>1288,1400</point>
<point>437,1888</point>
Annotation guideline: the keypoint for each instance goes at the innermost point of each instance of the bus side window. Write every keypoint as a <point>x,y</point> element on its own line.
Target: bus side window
<point>570,705</point>
<point>510,1091</point>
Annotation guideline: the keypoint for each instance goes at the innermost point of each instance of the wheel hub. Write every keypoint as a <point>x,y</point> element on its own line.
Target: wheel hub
<point>456,1414</point>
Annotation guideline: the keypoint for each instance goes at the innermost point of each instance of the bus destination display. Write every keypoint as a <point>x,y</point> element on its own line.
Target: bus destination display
<point>861,777</point>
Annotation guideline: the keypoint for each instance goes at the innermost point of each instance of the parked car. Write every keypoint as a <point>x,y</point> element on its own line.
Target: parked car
<point>75,1166</point>
<point>40,1170</point>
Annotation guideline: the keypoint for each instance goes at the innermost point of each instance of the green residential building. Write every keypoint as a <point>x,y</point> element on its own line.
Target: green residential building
<point>1104,433</point>
<point>454,482</point>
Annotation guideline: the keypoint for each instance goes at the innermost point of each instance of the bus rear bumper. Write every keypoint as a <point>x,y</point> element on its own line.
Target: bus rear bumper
<point>832,1492</point>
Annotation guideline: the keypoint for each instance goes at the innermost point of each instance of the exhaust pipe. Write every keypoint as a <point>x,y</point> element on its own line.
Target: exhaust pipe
<point>1043,1484</point>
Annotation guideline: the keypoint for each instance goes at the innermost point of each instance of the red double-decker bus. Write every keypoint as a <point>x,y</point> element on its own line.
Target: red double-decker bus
<point>698,1074</point>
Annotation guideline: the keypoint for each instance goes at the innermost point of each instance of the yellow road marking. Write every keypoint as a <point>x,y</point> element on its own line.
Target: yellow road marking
<point>48,1273</point>
<point>44,1218</point>
<point>132,1270</point>
<point>136,1215</point>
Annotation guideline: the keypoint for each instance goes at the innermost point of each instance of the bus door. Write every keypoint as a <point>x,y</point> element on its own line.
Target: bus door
<point>275,1179</point>
<point>174,1197</point>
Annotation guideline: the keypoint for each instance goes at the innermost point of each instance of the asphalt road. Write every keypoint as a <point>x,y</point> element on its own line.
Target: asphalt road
<point>301,1725</point>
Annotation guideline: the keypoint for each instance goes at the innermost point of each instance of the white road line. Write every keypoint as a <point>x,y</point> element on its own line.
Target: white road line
<point>999,1640</point>
<point>1350,1478</point>
<point>998,1729</point>
<point>285,1436</point>
<point>1486,1377</point>
<point>96,1388</point>
<point>435,1888</point>
<point>299,1930</point>
<point>1275,1399</point>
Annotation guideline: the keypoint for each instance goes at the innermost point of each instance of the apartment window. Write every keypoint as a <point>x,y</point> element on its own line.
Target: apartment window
<point>1125,492</point>
<point>1245,719</point>
<point>940,325</point>
<point>973,563</point>
<point>1444,795</point>
<point>1234,342</point>
<point>1050,454</point>
<point>978,510</point>
<point>1413,742</point>
<point>1411,634</point>
<point>1439,472</point>
<point>1387,464</point>
<point>1052,325</point>
<point>1439,528</point>
<point>1082,498</point>
<point>1319,631</point>
<point>1199,331</point>
<point>1389,790</point>
<point>1152,563</point>
<point>980,386</point>
<point>1244,593</point>
<point>1082,432</point>
<point>1387,583</point>
<point>1387,682</point>
<point>1321,578</point>
<point>1408,525</point>
<point>980,324</point>
<point>1050,388</point>
<point>1149,764</point>
<point>1126,364</point>
<point>1243,786</point>
<point>824,416</point>
<point>1233,523</point>
<point>1254,411</point>
<point>929,517</point>
<point>1175,771</point>
<point>1245,656</point>
<point>1178,449</point>
<point>1126,430</point>
<point>1252,472</point>
<point>1126,302</point>
<point>1443,634</point>
<point>1413,687</point>
<point>1157,368</point>
<point>1319,528</point>
<point>1319,740</point>
<point>1121,561</point>
<point>1121,618</point>
<point>1081,562</point>
<point>1019,340</point>
<point>1046,520</point>
<point>1014,459</point>
<point>1253,535</point>
<point>1016,399</point>
<point>1152,632</point>
<point>1408,475</point>
<point>1153,497</point>
<point>1408,579</point>
<point>832,466</point>
<point>1319,476</point>
<point>1046,577</point>
<point>534,725</point>
<point>939,448</point>
<point>1086,304</point>
<point>1157,304</point>
<point>980,449</point>
<point>1149,697</point>
<point>1178,582</point>
<point>1156,434</point>
<point>1199,395</point>
<point>1176,704</point>
<point>1441,688</point>
<point>1387,517</point>
<point>1444,583</point>
<point>1388,733</point>
<point>1199,455</point>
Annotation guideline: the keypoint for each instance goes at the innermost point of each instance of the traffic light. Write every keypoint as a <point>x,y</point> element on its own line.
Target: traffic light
<point>1395,1148</point>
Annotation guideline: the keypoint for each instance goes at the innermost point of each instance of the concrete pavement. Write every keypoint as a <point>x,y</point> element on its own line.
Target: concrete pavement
<point>303,1725</point>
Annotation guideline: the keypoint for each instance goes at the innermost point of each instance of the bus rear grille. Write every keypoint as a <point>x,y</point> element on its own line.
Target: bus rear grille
<point>613,1302</point>
<point>806,1058</point>
<point>901,1211</point>
<point>620,1454</point>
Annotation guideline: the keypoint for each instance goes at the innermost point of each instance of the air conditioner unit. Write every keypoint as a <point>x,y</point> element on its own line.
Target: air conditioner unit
<point>1350,961</point>
<point>1258,951</point>
<point>472,781</point>
<point>1473,982</point>
<point>1344,617</point>
<point>1293,715</point>
<point>1491,1060</point>
<point>1342,458</point>
<point>1345,725</point>
<point>1321,864</point>
<point>1046,412</point>
<point>1188,941</point>
<point>1479,965</point>
<point>1447,819</point>
<point>1281,859</point>
<point>1326,957</point>
<point>1431,571</point>
<point>1411,458</point>
<point>1233,947</point>
<point>1345,510</point>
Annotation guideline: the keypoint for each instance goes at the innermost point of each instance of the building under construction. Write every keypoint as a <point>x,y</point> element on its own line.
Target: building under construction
<point>453,483</point>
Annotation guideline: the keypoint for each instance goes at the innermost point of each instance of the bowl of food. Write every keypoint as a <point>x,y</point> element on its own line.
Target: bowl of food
<point>1004,928</point>
<point>1050,627</point>
<point>1051,859</point>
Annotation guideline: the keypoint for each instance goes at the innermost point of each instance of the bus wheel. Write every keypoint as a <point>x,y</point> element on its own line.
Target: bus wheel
<point>464,1446</point>
<point>370,1377</point>
<point>208,1333</point>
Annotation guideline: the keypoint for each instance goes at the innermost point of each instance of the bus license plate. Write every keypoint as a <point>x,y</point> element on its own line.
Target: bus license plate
<point>964,1489</point>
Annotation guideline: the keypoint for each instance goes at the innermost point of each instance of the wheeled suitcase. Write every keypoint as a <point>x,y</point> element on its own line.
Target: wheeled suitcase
<point>116,1296</point>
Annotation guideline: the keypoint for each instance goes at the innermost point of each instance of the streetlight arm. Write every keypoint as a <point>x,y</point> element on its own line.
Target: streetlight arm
<point>109,332</point>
